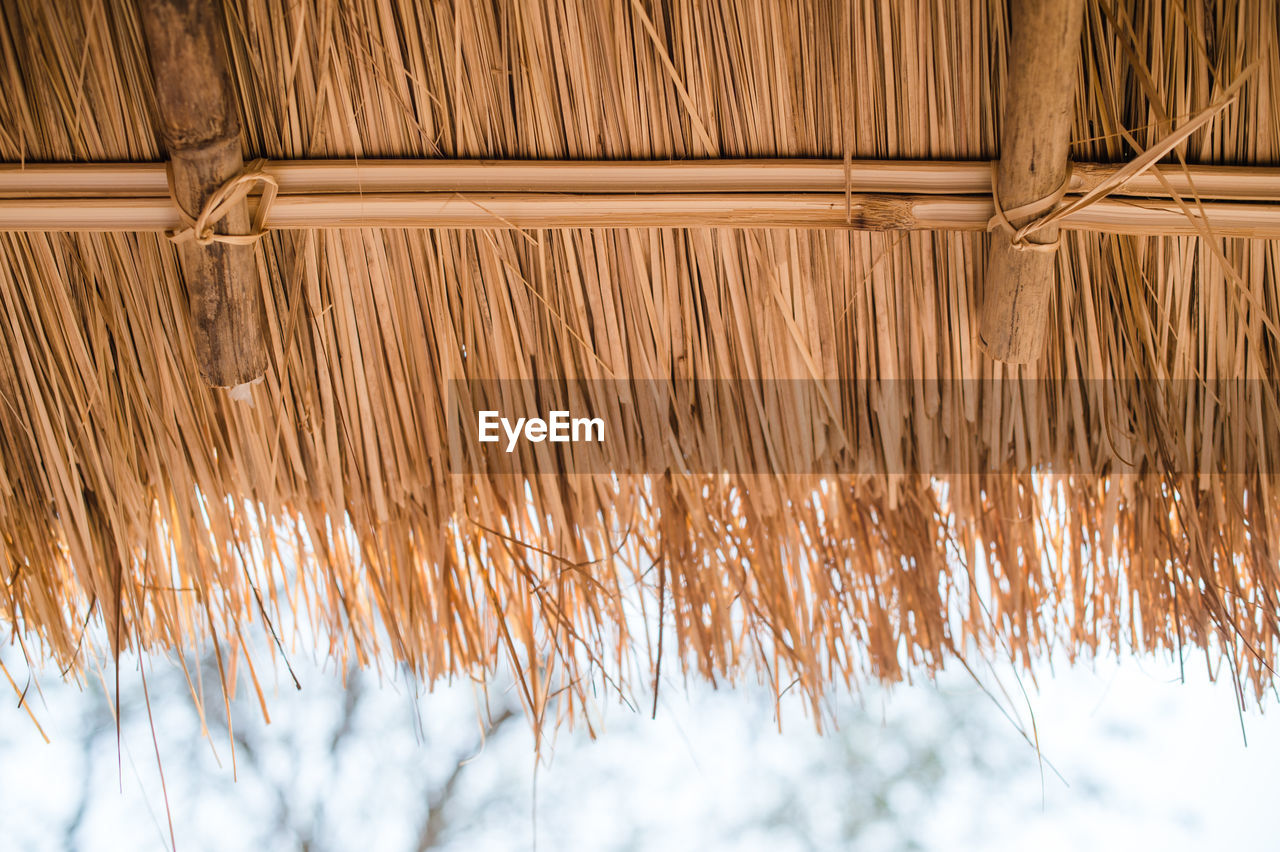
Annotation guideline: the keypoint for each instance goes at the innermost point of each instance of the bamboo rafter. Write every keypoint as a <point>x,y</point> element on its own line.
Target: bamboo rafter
<point>198,117</point>
<point>1034,169</point>
<point>868,195</point>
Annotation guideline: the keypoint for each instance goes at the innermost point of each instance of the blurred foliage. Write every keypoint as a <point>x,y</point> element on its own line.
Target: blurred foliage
<point>375,765</point>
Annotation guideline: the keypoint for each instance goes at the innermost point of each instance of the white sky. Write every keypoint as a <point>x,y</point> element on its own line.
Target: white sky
<point>1153,764</point>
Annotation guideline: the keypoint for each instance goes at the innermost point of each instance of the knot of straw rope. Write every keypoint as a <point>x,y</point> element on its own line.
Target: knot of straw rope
<point>1042,210</point>
<point>220,203</point>
<point>1054,207</point>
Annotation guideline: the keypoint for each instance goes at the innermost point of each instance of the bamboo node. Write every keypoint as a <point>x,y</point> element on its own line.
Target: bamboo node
<point>1042,210</point>
<point>223,201</point>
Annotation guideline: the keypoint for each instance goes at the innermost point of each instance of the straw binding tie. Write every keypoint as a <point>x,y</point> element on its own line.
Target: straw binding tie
<point>220,203</point>
<point>1043,209</point>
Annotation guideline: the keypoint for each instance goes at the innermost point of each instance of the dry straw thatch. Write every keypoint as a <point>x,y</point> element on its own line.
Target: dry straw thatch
<point>1142,515</point>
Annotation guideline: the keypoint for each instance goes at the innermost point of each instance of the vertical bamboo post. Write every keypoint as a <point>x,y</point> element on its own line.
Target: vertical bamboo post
<point>1044,47</point>
<point>200,126</point>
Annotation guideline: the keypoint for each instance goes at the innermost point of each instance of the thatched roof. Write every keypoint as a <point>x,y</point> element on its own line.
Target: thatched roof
<point>1121,496</point>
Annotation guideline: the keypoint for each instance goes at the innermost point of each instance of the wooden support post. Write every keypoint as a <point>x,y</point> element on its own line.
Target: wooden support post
<point>1044,48</point>
<point>200,126</point>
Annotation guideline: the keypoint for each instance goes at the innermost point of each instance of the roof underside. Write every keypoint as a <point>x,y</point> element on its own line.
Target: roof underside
<point>132,493</point>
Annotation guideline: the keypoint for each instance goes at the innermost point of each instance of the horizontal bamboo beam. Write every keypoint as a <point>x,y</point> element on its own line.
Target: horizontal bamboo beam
<point>905,177</point>
<point>861,211</point>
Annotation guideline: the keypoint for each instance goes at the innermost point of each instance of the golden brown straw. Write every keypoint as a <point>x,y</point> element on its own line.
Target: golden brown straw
<point>1117,494</point>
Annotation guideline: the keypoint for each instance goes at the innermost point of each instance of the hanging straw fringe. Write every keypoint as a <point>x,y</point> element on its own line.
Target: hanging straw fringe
<point>331,501</point>
<point>227,196</point>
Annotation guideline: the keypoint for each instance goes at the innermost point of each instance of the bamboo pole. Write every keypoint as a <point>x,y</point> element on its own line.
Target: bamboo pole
<point>870,212</point>
<point>1044,50</point>
<point>905,177</point>
<point>200,126</point>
